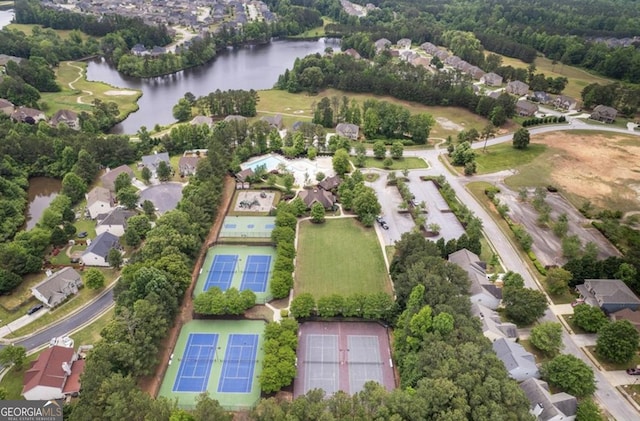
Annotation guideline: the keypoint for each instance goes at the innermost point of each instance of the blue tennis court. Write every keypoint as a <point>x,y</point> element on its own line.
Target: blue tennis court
<point>256,273</point>
<point>195,366</point>
<point>221,272</point>
<point>239,363</point>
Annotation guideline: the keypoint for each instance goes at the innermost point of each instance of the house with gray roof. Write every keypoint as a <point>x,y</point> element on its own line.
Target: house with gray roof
<point>520,363</point>
<point>152,161</point>
<point>610,295</point>
<point>516,87</point>
<point>564,102</point>
<point>404,43</point>
<point>491,79</point>
<point>325,198</point>
<point>68,117</point>
<point>99,200</point>
<point>187,165</point>
<point>348,130</point>
<point>201,119</point>
<point>493,327</point>
<point>234,117</point>
<point>27,115</point>
<point>57,287</point>
<point>541,97</point>
<point>482,291</point>
<point>429,48</point>
<point>109,177</point>
<point>546,406</point>
<point>114,222</point>
<point>526,108</point>
<point>604,114</point>
<point>382,44</point>
<point>98,249</point>
<point>274,121</point>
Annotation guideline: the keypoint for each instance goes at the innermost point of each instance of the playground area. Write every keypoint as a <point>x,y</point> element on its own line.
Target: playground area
<point>248,227</point>
<point>220,357</point>
<point>254,201</point>
<point>342,356</point>
<point>239,266</point>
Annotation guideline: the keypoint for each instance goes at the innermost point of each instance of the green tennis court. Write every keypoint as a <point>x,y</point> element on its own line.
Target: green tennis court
<point>247,227</point>
<point>247,274</point>
<point>223,369</point>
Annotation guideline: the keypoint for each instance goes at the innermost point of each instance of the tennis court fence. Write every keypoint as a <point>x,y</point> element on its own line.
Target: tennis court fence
<point>341,361</point>
<point>244,234</point>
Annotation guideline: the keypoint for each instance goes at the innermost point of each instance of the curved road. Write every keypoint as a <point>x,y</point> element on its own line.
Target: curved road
<point>606,393</point>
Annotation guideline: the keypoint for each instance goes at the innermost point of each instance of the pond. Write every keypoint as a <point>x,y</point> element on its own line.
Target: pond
<point>41,192</point>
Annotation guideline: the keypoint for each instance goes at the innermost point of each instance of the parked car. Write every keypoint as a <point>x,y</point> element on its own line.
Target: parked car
<point>35,308</point>
<point>633,371</point>
<point>577,302</point>
<point>82,234</point>
<point>382,222</point>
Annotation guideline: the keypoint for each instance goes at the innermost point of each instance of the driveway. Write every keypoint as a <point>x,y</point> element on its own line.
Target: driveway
<point>164,196</point>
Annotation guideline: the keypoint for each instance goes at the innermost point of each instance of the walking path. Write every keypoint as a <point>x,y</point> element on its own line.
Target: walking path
<point>88,93</point>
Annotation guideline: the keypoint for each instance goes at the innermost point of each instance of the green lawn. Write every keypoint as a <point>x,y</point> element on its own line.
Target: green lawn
<point>12,381</point>
<point>27,28</point>
<point>341,257</point>
<point>504,157</point>
<point>317,31</point>
<point>568,318</point>
<point>409,163</point>
<point>608,366</point>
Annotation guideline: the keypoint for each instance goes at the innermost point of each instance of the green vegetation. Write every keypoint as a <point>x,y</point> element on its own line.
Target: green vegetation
<point>12,381</point>
<point>320,246</point>
<point>316,32</point>
<point>409,163</point>
<point>504,157</point>
<point>29,28</point>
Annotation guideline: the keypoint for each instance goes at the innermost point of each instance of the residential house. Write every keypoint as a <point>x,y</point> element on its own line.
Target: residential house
<point>54,375</point>
<point>541,97</point>
<point>604,114</point>
<point>6,107</point>
<point>494,94</point>
<point>187,165</point>
<point>152,161</point>
<point>5,59</point>
<point>493,327</point>
<point>139,50</point>
<point>546,406</point>
<point>68,117</point>
<point>201,119</point>
<point>421,61</point>
<point>382,44</point>
<point>482,291</point>
<point>520,363</point>
<point>404,43</point>
<point>114,222</point>
<point>526,108</point>
<point>158,51</point>
<point>99,200</point>
<point>348,130</point>
<point>408,55</point>
<point>452,61</point>
<point>476,72</point>
<point>98,250</point>
<point>109,178</point>
<point>274,121</point>
<point>429,48</point>
<point>57,287</point>
<point>27,115</point>
<point>234,117</point>
<point>245,174</point>
<point>441,54</point>
<point>325,198</point>
<point>353,53</point>
<point>564,102</point>
<point>610,295</point>
<point>491,79</point>
<point>631,316</point>
<point>517,88</point>
<point>330,183</point>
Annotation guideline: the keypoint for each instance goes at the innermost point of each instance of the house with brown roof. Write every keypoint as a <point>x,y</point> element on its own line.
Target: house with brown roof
<point>491,79</point>
<point>353,53</point>
<point>330,183</point>
<point>382,44</point>
<point>604,114</point>
<point>325,198</point>
<point>526,108</point>
<point>420,61</point>
<point>475,72</point>
<point>99,200</point>
<point>6,107</point>
<point>348,130</point>
<point>610,295</point>
<point>187,165</point>
<point>516,87</point>
<point>68,117</point>
<point>631,316</point>
<point>404,43</point>
<point>27,115</point>
<point>109,178</point>
<point>54,375</point>
<point>564,102</point>
<point>57,287</point>
<point>274,121</point>
<point>243,175</point>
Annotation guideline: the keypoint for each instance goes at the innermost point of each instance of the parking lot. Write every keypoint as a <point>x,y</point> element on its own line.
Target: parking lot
<point>390,201</point>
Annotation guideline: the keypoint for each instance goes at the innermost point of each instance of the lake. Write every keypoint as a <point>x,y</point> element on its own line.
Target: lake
<point>6,16</point>
<point>41,192</point>
<point>248,67</point>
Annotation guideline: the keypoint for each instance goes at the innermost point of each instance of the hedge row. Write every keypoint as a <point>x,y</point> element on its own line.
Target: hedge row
<point>283,236</point>
<point>375,306</point>
<point>279,365</point>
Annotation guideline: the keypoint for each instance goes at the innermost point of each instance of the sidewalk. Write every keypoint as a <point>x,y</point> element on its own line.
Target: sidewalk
<point>21,322</point>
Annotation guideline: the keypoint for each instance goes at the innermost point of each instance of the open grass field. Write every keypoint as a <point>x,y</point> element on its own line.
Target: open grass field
<point>77,93</point>
<point>504,157</point>
<point>322,246</point>
<point>597,166</point>
<point>409,163</point>
<point>449,120</point>
<point>315,32</point>
<point>578,78</point>
<point>28,29</point>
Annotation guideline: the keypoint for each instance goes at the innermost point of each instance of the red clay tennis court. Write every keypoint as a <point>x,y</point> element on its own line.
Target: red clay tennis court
<point>343,356</point>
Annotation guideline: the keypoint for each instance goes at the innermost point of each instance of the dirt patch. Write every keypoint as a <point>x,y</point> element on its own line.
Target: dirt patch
<point>447,124</point>
<point>120,92</point>
<point>597,167</point>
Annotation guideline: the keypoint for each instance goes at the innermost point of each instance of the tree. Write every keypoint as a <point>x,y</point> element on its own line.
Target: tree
<point>132,238</point>
<point>74,187</point>
<point>15,355</point>
<point>341,164</point>
<point>361,155</point>
<point>547,337</point>
<point>397,149</point>
<point>85,167</point>
<point>570,374</point>
<point>366,206</point>
<point>146,174</point>
<point>487,132</point>
<point>317,213</point>
<point>618,342</point>
<point>148,208</point>
<point>163,171</point>
<point>387,162</point>
<point>128,197</point>
<point>303,305</point>
<point>589,318</point>
<point>288,181</point>
<point>521,138</point>
<point>558,281</point>
<point>523,305</point>
<point>208,409</point>
<point>122,181</point>
<point>114,258</point>
<point>588,410</point>
<point>379,149</point>
<point>93,278</point>
<point>182,110</point>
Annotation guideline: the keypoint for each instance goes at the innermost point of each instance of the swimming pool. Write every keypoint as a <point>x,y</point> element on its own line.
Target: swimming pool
<point>271,162</point>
